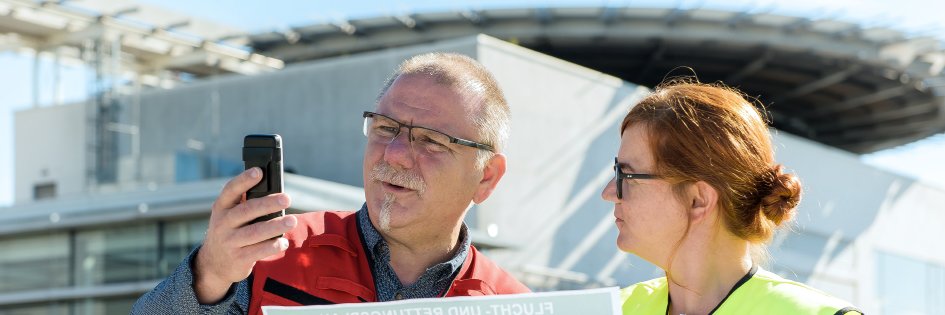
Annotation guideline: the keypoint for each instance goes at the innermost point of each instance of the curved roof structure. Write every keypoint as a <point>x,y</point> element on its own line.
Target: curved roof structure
<point>155,39</point>
<point>853,87</point>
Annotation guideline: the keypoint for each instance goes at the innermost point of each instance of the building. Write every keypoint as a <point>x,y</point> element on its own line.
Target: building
<point>71,245</point>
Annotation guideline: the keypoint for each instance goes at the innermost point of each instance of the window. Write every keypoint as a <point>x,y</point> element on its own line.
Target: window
<point>909,286</point>
<point>188,167</point>
<point>34,262</point>
<point>107,306</point>
<point>114,255</point>
<point>53,308</point>
<point>44,191</point>
<point>179,239</point>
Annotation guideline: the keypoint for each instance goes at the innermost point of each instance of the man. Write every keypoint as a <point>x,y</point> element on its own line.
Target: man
<point>421,174</point>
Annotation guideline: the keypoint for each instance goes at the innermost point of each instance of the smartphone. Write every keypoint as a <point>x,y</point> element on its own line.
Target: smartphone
<point>264,151</point>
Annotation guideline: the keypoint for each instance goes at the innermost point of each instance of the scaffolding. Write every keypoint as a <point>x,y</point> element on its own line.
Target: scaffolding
<point>126,46</point>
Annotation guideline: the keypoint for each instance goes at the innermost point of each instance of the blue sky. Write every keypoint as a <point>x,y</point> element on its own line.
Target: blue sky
<point>921,160</point>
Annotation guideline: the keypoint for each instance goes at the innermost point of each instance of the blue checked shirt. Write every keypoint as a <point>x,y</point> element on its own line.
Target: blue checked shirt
<point>175,295</point>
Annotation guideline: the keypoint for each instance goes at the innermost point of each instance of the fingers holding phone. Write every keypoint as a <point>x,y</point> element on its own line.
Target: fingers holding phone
<point>265,152</point>
<point>246,221</point>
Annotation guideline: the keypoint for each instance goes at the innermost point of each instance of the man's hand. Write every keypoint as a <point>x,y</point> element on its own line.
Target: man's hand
<point>231,247</point>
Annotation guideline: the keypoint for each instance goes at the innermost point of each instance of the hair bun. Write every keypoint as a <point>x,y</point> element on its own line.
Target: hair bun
<point>783,195</point>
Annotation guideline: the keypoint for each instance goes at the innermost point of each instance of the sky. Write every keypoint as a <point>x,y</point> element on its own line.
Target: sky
<point>921,160</point>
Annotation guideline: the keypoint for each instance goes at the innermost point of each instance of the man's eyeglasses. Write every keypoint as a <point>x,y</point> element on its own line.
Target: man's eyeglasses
<point>378,127</point>
<point>619,176</point>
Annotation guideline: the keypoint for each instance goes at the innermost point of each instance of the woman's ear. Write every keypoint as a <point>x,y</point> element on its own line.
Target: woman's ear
<point>703,201</point>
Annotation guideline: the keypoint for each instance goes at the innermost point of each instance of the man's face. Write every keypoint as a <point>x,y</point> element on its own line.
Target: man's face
<point>411,190</point>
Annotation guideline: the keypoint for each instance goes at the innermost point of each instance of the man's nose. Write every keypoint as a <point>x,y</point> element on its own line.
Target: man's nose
<point>399,151</point>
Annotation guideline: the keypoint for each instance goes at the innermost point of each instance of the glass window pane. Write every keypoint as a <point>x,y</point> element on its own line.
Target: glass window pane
<point>936,287</point>
<point>188,167</point>
<point>895,273</point>
<point>34,262</point>
<point>55,308</point>
<point>44,191</point>
<point>114,255</point>
<point>179,239</point>
<point>108,306</point>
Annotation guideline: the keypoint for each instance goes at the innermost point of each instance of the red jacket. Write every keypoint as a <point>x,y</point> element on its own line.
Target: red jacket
<point>326,263</point>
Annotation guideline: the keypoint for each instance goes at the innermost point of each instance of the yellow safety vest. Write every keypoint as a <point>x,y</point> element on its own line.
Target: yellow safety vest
<point>759,292</point>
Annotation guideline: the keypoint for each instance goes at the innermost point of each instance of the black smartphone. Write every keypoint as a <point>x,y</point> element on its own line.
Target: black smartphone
<point>264,151</point>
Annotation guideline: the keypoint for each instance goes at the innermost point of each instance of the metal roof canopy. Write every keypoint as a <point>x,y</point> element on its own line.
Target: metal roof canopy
<point>857,88</point>
<point>157,39</point>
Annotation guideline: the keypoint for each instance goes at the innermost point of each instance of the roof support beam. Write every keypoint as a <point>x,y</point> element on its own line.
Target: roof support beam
<point>879,95</point>
<point>125,11</point>
<point>346,27</point>
<point>14,41</point>
<point>885,116</point>
<point>410,22</point>
<point>818,84</point>
<point>750,68</point>
<point>870,146</point>
<point>172,26</point>
<point>93,31</point>
<point>194,58</point>
<point>864,133</point>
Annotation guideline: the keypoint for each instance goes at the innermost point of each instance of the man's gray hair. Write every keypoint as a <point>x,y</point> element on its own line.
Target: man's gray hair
<point>491,118</point>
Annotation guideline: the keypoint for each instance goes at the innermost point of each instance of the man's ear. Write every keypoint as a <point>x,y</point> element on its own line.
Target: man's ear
<point>704,201</point>
<point>492,172</point>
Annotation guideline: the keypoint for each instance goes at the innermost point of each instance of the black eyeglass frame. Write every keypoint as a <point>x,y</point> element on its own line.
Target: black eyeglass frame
<point>459,141</point>
<point>619,176</point>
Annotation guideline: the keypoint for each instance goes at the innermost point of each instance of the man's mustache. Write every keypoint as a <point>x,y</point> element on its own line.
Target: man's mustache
<point>410,180</point>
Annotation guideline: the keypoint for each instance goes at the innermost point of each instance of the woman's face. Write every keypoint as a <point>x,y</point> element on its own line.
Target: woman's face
<point>649,216</point>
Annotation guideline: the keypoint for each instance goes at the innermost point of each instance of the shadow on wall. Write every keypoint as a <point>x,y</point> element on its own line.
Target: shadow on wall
<point>842,199</point>
<point>584,239</point>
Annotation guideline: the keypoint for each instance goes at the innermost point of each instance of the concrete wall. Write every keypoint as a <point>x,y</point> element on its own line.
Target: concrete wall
<point>50,148</point>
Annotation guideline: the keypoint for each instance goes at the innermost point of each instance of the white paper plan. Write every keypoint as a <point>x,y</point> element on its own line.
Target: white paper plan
<point>603,301</point>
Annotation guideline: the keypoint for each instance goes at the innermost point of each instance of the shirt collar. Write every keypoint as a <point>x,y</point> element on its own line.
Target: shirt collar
<point>377,246</point>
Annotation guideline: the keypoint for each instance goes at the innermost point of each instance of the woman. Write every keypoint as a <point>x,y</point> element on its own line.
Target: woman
<point>697,192</point>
